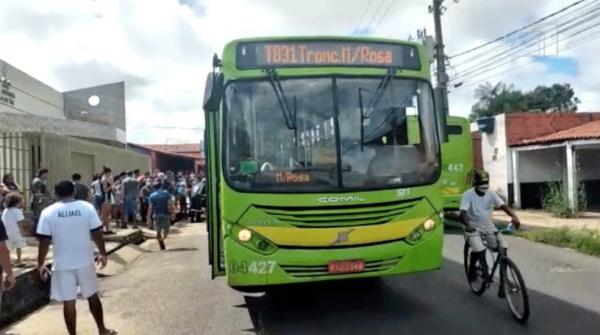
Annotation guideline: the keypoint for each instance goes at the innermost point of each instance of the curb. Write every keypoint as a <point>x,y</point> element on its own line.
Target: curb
<point>30,293</point>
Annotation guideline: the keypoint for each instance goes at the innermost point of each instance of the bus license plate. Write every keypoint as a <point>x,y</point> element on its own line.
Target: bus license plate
<point>346,266</point>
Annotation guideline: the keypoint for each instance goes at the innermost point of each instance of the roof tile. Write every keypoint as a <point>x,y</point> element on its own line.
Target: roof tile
<point>586,131</point>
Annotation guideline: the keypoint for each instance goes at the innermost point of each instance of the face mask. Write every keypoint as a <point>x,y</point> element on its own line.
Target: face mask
<point>483,188</point>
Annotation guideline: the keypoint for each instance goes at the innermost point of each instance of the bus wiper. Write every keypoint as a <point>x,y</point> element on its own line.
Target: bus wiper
<point>288,115</point>
<point>379,92</point>
<point>373,102</point>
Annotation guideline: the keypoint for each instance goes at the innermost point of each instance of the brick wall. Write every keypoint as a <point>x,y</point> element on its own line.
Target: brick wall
<point>523,126</point>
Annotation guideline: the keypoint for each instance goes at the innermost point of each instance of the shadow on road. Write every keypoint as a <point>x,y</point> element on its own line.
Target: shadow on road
<point>429,303</point>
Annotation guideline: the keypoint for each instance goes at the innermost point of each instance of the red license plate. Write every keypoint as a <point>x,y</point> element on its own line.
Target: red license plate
<point>346,266</point>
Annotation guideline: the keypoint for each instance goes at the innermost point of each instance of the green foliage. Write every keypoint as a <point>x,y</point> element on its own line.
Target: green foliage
<point>497,99</point>
<point>502,98</point>
<point>586,241</point>
<point>555,200</point>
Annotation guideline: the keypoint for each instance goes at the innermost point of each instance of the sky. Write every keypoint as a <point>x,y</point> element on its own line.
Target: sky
<point>162,49</point>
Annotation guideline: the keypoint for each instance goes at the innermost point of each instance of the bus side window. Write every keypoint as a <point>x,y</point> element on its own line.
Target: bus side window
<point>454,130</point>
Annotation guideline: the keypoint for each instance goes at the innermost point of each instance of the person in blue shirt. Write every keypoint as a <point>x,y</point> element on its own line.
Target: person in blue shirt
<point>160,210</point>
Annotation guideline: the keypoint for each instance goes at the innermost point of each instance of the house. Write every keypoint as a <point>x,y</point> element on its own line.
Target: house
<point>173,157</point>
<point>524,152</point>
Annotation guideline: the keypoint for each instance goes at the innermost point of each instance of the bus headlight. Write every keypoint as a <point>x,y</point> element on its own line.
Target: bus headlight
<point>429,225</point>
<point>244,235</point>
<point>422,231</point>
<point>252,240</point>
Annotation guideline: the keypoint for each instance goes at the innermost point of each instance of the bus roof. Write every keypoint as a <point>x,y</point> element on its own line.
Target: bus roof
<point>458,121</point>
<point>321,38</point>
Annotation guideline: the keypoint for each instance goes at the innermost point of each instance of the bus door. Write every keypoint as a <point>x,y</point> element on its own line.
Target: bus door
<point>213,226</point>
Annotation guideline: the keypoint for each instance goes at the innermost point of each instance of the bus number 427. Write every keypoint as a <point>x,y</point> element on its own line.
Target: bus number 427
<point>254,267</point>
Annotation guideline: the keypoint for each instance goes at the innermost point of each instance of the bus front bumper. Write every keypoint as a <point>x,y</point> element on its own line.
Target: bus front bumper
<point>288,265</point>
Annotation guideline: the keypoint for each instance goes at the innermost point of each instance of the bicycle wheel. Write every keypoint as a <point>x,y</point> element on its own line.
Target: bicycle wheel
<point>515,290</point>
<point>477,284</point>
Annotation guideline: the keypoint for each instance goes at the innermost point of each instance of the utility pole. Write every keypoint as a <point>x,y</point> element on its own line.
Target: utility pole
<point>442,76</point>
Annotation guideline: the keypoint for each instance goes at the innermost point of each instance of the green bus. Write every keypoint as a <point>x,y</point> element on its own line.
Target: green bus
<point>457,161</point>
<point>313,171</point>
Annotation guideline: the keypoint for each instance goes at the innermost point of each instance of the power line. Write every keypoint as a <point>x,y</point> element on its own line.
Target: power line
<point>579,41</point>
<point>533,34</point>
<point>381,2</point>
<point>385,14</point>
<point>518,30</point>
<point>509,61</point>
<point>492,62</point>
<point>362,16</point>
<point>527,37</point>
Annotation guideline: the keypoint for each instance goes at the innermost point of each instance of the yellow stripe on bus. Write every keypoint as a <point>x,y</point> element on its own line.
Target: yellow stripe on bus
<point>450,190</point>
<point>315,237</point>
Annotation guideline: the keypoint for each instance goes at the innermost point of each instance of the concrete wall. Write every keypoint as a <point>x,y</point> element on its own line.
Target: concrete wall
<point>31,97</point>
<point>58,152</point>
<point>28,105</point>
<point>495,156</point>
<point>110,110</point>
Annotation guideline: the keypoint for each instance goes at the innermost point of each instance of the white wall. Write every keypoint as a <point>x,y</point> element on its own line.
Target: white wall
<point>495,156</point>
<point>537,166</point>
<point>31,95</point>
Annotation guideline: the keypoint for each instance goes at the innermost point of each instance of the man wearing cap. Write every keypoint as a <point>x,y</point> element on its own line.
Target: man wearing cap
<point>476,208</point>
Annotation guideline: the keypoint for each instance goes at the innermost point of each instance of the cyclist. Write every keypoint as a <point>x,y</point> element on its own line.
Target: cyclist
<point>476,208</point>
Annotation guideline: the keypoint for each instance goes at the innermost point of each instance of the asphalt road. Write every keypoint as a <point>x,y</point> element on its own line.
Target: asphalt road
<point>172,293</point>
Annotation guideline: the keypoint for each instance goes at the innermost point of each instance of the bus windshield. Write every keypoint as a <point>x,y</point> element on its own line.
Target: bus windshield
<point>348,134</point>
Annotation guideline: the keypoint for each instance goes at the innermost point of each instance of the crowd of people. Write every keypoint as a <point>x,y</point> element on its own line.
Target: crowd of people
<point>124,198</point>
<point>77,213</point>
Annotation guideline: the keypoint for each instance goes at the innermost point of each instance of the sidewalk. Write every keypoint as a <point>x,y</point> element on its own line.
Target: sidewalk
<point>541,219</point>
<point>29,292</point>
<point>30,252</point>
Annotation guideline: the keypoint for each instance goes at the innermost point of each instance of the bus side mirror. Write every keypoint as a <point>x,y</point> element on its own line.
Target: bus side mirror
<point>213,92</point>
<point>442,118</point>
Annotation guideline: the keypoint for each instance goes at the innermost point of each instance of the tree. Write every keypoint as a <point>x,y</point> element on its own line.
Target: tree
<point>497,99</point>
<point>502,98</point>
<point>555,98</point>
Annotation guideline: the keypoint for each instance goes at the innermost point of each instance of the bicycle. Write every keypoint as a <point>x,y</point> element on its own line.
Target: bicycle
<point>512,286</point>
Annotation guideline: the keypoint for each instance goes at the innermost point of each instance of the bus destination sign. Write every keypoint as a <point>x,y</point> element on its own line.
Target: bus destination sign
<point>255,55</point>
